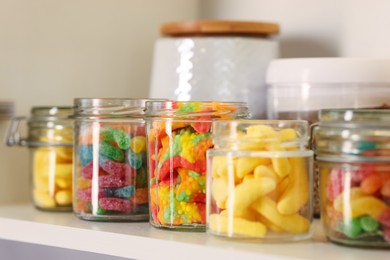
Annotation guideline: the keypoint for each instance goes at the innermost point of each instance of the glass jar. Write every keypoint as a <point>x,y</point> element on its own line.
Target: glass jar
<point>50,139</point>
<point>179,133</point>
<point>260,180</point>
<point>353,155</point>
<point>110,174</point>
<point>298,88</point>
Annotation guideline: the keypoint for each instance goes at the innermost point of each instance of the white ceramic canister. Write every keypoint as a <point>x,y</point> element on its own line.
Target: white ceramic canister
<point>214,60</point>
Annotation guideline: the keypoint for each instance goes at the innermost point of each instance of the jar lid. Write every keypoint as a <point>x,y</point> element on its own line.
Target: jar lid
<point>219,28</point>
<point>6,109</point>
<point>328,70</point>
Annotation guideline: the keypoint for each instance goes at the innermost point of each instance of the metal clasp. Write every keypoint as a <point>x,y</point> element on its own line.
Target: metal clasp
<point>13,136</point>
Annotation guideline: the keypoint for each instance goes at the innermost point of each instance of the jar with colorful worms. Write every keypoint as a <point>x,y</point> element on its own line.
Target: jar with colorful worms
<point>353,156</point>
<point>110,167</point>
<point>179,134</point>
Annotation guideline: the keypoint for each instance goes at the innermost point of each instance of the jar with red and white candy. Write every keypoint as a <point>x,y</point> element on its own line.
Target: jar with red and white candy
<point>353,156</point>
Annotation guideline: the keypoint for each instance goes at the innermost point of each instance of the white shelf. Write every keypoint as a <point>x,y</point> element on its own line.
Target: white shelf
<point>23,223</point>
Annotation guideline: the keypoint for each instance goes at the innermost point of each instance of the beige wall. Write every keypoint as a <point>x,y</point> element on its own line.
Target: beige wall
<point>52,51</point>
<point>347,28</point>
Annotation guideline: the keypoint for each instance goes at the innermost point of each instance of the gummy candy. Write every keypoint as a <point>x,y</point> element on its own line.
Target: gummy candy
<point>52,178</point>
<point>364,212</point>
<point>120,172</point>
<point>249,192</point>
<point>177,163</point>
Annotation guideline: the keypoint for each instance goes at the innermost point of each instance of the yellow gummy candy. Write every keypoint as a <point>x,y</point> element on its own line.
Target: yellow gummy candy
<point>281,166</point>
<point>246,165</point>
<point>280,189</point>
<point>63,170</point>
<point>236,226</point>
<point>219,191</point>
<point>43,199</point>
<point>265,171</point>
<point>260,131</point>
<point>355,193</point>
<point>293,223</point>
<point>138,144</point>
<point>368,205</point>
<point>287,134</point>
<point>248,192</point>
<point>64,183</point>
<point>296,194</point>
<point>63,197</point>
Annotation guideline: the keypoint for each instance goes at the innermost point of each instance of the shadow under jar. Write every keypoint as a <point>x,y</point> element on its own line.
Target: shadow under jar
<point>353,156</point>
<point>179,134</point>
<point>110,174</point>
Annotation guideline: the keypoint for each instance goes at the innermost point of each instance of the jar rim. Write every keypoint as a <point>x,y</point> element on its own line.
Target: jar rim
<point>188,109</point>
<point>109,107</point>
<point>50,113</point>
<point>355,118</point>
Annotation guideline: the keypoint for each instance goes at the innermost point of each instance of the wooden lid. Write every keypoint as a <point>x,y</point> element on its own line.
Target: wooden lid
<point>219,27</point>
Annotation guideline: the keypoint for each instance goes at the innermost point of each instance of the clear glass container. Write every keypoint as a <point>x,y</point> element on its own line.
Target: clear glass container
<point>353,155</point>
<point>298,88</point>
<point>260,180</point>
<point>50,140</point>
<point>110,174</point>
<point>179,133</point>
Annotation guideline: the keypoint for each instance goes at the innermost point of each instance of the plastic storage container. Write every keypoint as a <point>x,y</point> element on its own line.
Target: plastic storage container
<point>299,88</point>
<point>50,140</point>
<point>353,154</point>
<point>259,180</point>
<point>214,60</point>
<point>110,175</point>
<point>179,133</point>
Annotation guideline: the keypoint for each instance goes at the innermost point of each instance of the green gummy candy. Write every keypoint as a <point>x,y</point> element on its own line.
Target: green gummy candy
<point>111,152</point>
<point>369,224</point>
<point>351,229</point>
<point>120,137</point>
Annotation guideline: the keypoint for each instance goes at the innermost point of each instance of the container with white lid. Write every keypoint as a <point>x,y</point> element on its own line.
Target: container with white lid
<point>300,87</point>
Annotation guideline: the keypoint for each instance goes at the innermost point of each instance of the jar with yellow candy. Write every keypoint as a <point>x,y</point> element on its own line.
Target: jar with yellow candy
<point>259,180</point>
<point>178,136</point>
<point>352,154</point>
<point>50,139</point>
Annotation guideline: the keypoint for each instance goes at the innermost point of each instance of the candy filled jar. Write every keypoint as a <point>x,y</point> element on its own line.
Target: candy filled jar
<point>110,174</point>
<point>353,155</point>
<point>50,140</point>
<point>260,180</point>
<point>179,133</point>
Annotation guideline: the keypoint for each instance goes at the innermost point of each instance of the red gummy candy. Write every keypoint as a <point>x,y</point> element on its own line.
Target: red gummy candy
<point>335,184</point>
<point>86,194</point>
<point>112,181</point>
<point>363,172</point>
<point>117,168</point>
<point>200,198</point>
<point>87,171</point>
<point>115,204</point>
<point>202,127</point>
<point>179,162</point>
<point>384,218</point>
<point>202,212</point>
